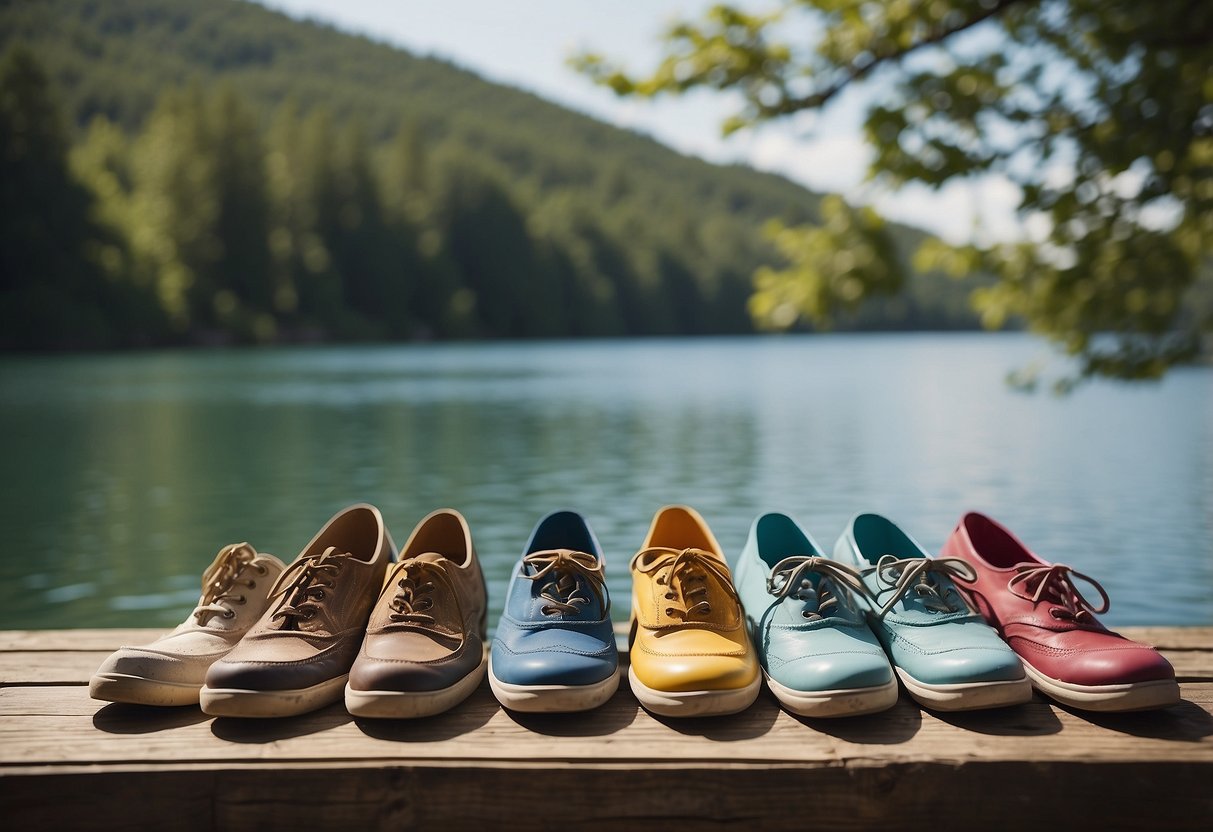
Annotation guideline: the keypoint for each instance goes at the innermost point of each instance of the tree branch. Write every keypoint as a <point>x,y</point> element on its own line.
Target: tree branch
<point>856,72</point>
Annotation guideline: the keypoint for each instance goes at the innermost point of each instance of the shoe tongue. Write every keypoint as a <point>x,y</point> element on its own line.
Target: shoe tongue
<point>800,600</point>
<point>572,585</point>
<point>723,608</point>
<point>323,620</point>
<point>429,557</point>
<point>443,608</point>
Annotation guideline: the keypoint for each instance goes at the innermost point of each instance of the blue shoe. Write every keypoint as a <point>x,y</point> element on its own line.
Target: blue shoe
<point>948,658</point>
<point>818,654</point>
<point>554,650</point>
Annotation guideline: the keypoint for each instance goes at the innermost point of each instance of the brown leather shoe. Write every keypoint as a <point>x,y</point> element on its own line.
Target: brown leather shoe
<point>424,648</point>
<point>297,657</point>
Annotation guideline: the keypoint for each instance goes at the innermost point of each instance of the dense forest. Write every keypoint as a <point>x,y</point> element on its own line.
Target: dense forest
<point>189,171</point>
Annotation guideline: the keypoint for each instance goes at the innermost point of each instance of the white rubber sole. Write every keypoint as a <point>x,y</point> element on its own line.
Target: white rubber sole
<point>1132,696</point>
<point>694,702</point>
<point>970,696</point>
<point>835,703</point>
<point>137,690</point>
<point>400,704</point>
<point>553,699</point>
<point>270,703</point>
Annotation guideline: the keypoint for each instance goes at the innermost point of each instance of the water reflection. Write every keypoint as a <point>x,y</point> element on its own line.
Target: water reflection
<point>126,473</point>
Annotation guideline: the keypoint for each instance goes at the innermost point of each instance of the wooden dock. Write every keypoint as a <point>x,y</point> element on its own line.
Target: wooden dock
<point>69,762</point>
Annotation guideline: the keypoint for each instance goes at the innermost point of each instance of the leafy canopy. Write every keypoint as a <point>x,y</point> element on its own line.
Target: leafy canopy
<point>1100,111</point>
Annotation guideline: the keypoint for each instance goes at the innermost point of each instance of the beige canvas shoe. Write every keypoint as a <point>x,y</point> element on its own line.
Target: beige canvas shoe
<point>297,657</point>
<point>170,670</point>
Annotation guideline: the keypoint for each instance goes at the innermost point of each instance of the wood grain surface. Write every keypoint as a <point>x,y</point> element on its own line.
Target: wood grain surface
<point>67,761</point>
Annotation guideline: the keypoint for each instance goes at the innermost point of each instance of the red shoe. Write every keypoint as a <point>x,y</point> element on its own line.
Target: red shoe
<point>1038,610</point>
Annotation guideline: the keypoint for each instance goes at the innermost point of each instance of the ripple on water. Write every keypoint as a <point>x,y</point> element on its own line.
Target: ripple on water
<point>126,473</point>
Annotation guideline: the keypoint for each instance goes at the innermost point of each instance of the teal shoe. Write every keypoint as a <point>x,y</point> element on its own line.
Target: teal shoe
<point>948,658</point>
<point>818,654</point>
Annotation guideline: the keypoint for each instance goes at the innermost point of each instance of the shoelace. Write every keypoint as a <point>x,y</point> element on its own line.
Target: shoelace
<point>1055,584</point>
<point>916,574</point>
<point>684,573</point>
<point>220,577</point>
<point>563,592</point>
<point>415,583</point>
<point>303,585</point>
<point>790,578</point>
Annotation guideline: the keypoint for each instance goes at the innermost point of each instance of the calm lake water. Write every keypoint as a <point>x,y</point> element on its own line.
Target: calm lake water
<point>124,474</point>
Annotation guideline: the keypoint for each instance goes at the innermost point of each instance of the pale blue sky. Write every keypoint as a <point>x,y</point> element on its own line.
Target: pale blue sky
<point>526,44</point>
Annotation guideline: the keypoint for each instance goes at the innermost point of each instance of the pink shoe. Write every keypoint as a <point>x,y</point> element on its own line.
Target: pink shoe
<point>1039,611</point>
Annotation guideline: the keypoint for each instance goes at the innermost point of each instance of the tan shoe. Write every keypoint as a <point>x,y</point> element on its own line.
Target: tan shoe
<point>424,648</point>
<point>297,657</point>
<point>170,670</point>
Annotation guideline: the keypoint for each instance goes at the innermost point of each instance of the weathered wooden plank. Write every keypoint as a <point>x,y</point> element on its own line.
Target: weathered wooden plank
<point>1176,638</point>
<point>60,726</point>
<point>915,795</point>
<point>105,640</point>
<point>479,766</point>
<point>1172,638</point>
<point>60,667</point>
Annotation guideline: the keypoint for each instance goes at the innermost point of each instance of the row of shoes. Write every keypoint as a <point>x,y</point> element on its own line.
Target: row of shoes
<point>405,636</point>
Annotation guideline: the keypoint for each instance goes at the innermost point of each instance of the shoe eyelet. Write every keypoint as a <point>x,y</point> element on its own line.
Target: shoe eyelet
<point>669,596</point>
<point>229,614</point>
<point>805,614</point>
<point>261,570</point>
<point>252,584</point>
<point>241,599</point>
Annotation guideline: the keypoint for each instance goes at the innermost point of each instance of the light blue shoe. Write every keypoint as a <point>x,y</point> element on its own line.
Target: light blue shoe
<point>554,650</point>
<point>818,654</point>
<point>948,658</point>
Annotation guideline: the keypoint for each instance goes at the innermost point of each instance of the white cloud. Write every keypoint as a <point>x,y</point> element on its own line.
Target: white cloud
<point>831,163</point>
<point>981,210</point>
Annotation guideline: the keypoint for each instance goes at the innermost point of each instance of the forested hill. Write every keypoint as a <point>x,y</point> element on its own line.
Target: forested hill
<point>224,172</point>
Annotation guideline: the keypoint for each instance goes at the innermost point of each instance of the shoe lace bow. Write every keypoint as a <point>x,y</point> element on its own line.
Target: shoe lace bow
<point>921,575</point>
<point>685,574</point>
<point>305,583</point>
<point>219,579</point>
<point>790,578</point>
<point>568,571</point>
<point>1054,583</point>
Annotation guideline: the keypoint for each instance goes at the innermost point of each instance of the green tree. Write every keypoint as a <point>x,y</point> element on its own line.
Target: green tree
<point>485,232</point>
<point>573,249</point>
<point>101,162</point>
<point>242,222</point>
<point>1114,94</point>
<point>303,193</point>
<point>201,214</point>
<point>353,229</point>
<point>51,291</point>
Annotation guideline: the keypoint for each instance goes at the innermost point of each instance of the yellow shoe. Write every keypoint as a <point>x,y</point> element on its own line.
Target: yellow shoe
<point>690,653</point>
